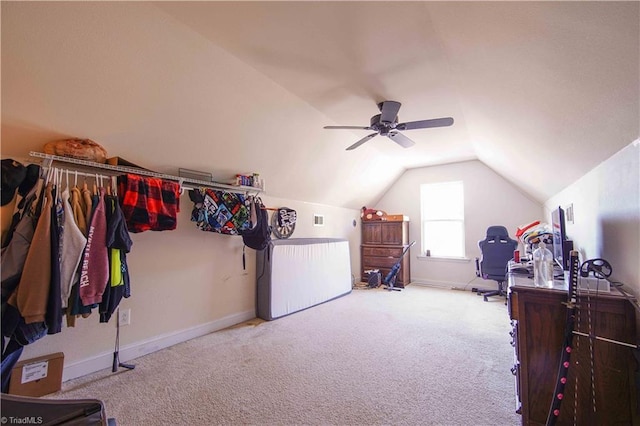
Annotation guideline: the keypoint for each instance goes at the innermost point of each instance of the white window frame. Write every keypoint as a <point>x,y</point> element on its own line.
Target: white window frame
<point>431,195</point>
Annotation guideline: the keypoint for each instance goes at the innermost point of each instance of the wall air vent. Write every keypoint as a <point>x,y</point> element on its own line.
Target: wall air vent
<point>318,220</point>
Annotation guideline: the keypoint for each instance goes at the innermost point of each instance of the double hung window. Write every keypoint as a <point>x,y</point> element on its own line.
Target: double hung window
<point>442,215</point>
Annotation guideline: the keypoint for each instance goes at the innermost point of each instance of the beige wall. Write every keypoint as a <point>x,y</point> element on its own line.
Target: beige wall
<point>489,200</point>
<point>606,205</point>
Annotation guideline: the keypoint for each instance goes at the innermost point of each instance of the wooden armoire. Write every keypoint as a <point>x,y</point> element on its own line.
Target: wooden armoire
<point>382,244</point>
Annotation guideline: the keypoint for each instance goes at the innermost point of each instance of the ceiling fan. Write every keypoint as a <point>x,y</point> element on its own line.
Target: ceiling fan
<point>386,124</point>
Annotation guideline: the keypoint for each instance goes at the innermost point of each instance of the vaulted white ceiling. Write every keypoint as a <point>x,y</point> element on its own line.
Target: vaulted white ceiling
<point>541,92</point>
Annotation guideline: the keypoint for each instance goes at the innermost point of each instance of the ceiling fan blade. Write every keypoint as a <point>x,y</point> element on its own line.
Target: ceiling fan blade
<point>361,141</point>
<point>400,139</point>
<point>425,124</point>
<point>389,111</point>
<point>348,127</point>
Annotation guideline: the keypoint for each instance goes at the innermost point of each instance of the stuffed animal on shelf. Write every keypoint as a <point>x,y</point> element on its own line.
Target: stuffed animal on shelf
<point>372,214</point>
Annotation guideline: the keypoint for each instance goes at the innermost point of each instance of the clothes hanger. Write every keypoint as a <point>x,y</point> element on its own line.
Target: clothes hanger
<point>95,186</point>
<point>48,175</point>
<point>114,185</point>
<point>59,173</point>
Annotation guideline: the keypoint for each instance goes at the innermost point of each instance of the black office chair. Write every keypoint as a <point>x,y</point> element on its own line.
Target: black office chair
<point>497,249</point>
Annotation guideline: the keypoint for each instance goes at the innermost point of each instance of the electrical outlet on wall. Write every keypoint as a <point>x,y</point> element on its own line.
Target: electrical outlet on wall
<point>124,316</point>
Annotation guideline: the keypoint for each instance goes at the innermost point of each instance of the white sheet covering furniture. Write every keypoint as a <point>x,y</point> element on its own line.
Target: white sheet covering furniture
<point>298,273</point>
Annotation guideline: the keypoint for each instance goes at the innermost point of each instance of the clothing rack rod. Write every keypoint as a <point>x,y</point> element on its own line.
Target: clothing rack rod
<point>85,174</point>
<point>184,182</point>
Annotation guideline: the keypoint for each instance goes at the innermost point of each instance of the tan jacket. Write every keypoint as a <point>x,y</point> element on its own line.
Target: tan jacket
<point>33,290</point>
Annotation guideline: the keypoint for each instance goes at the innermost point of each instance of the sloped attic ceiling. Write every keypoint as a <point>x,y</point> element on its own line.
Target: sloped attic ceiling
<point>540,92</point>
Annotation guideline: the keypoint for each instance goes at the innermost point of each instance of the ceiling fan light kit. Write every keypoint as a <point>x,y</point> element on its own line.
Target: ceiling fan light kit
<point>386,124</point>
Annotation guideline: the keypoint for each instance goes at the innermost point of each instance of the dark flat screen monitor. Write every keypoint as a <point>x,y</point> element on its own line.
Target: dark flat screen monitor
<point>559,238</point>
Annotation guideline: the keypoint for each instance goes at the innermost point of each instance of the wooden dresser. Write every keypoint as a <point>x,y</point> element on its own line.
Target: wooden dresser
<point>382,244</point>
<point>538,316</point>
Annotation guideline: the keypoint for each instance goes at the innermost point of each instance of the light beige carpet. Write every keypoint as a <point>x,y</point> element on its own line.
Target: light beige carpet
<point>422,356</point>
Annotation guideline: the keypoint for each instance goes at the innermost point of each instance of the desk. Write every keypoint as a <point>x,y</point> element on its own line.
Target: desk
<point>538,317</point>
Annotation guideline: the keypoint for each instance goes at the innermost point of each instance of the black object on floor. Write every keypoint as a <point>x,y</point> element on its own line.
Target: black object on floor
<point>390,279</point>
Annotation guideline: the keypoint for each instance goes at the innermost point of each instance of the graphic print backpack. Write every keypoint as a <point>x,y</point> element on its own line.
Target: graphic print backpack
<point>259,236</point>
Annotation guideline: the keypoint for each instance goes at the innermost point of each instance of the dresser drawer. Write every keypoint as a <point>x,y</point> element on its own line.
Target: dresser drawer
<point>371,262</point>
<point>382,251</point>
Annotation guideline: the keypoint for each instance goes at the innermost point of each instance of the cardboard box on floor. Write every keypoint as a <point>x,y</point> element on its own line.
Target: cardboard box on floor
<point>37,376</point>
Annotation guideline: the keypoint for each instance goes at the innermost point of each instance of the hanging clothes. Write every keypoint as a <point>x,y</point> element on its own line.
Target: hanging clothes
<point>119,243</point>
<point>73,244</point>
<point>149,204</point>
<point>16,258</point>
<point>25,190</point>
<point>76,308</point>
<point>220,211</point>
<point>95,262</point>
<point>79,212</point>
<point>53,315</point>
<point>43,255</point>
<point>15,252</point>
<point>32,292</point>
<point>87,204</point>
<point>12,265</point>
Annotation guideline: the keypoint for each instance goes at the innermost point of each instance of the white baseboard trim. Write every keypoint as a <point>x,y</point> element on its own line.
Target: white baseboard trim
<point>145,347</point>
<point>439,284</point>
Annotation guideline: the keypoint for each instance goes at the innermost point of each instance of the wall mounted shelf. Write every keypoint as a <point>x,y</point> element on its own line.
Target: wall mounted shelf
<point>185,183</point>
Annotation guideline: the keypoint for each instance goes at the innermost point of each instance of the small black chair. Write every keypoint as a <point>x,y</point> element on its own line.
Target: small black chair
<point>497,249</point>
<point>77,412</point>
